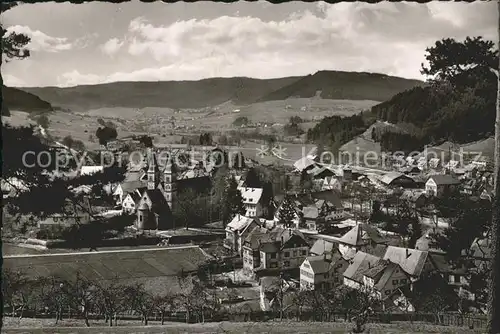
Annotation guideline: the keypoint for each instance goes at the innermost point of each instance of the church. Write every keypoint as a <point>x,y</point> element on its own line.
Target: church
<point>155,207</point>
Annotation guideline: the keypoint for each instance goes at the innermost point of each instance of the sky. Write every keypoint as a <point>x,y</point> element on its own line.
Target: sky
<point>90,43</point>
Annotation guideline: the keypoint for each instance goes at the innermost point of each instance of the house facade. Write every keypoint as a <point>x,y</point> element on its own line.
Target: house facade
<point>252,201</point>
<point>283,249</point>
<point>322,272</point>
<point>441,185</point>
<point>237,230</point>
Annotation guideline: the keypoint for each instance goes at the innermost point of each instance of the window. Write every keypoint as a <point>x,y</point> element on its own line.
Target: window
<point>287,264</point>
<point>140,218</point>
<point>274,265</point>
<point>403,281</point>
<point>304,252</point>
<point>326,275</point>
<point>294,253</point>
<point>287,254</point>
<point>273,255</point>
<point>394,282</point>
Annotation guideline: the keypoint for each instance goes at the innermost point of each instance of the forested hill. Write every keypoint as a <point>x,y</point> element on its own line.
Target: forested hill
<point>16,99</point>
<point>443,112</point>
<point>458,105</point>
<point>214,91</point>
<point>344,86</point>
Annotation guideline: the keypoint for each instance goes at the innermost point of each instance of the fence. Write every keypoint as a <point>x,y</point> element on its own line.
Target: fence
<point>242,314</point>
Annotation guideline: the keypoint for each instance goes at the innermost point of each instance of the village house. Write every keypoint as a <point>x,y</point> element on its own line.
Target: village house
<point>237,230</point>
<point>315,209</point>
<point>122,190</point>
<point>251,249</point>
<point>361,237</point>
<point>413,262</point>
<point>252,201</point>
<point>282,250</point>
<point>441,184</point>
<point>353,275</point>
<point>131,201</point>
<point>332,183</point>
<point>396,180</point>
<point>322,272</point>
<point>375,275</point>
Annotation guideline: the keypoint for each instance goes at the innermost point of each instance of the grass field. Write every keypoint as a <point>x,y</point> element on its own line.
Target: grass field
<point>12,325</point>
<point>160,122</point>
<point>155,267</point>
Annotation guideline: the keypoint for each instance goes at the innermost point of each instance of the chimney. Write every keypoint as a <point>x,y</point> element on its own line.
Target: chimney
<point>282,240</point>
<point>369,265</point>
<point>407,253</point>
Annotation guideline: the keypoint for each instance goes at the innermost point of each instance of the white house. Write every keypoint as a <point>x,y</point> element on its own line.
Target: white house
<point>322,272</point>
<point>131,201</point>
<point>252,201</point>
<point>439,185</point>
<point>237,231</point>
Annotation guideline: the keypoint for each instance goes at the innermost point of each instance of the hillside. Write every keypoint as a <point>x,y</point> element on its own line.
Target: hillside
<point>165,94</point>
<point>19,100</point>
<point>214,91</point>
<point>345,85</point>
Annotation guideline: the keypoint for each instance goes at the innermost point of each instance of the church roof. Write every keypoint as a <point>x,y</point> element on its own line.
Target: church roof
<point>158,201</point>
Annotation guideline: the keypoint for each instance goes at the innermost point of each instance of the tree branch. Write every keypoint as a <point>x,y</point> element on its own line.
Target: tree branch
<point>495,71</point>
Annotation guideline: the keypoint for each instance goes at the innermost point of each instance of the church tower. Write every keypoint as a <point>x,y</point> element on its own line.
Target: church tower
<point>169,181</point>
<point>153,171</point>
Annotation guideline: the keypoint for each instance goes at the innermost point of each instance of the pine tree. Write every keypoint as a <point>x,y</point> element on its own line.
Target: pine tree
<point>287,213</point>
<point>232,202</point>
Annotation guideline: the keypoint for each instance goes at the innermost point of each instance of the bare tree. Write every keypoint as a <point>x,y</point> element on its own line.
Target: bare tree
<point>82,295</point>
<point>113,299</point>
<point>141,301</point>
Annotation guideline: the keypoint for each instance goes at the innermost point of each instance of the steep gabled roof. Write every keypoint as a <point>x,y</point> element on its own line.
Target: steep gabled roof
<point>158,201</point>
<point>321,247</point>
<point>391,176</point>
<point>411,260</point>
<point>361,234</point>
<point>360,264</point>
<point>239,223</point>
<point>444,179</point>
<point>251,195</point>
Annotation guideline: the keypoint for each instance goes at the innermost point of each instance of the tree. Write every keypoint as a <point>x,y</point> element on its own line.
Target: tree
<point>287,213</point>
<point>82,295</point>
<point>44,191</point>
<point>457,62</point>
<point>67,141</point>
<point>13,44</point>
<point>43,121</point>
<point>253,179</point>
<point>461,232</point>
<point>163,303</point>
<point>494,285</point>
<point>141,301</point>
<point>106,134</point>
<point>113,299</point>
<point>306,181</point>
<point>189,209</point>
<point>431,293</point>
<point>232,203</point>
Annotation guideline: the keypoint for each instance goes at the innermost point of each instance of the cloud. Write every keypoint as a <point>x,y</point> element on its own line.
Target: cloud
<point>386,37</point>
<point>373,34</point>
<point>41,41</point>
<point>112,46</point>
